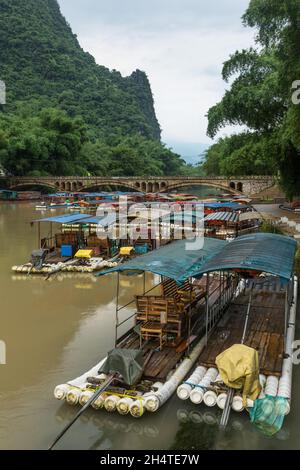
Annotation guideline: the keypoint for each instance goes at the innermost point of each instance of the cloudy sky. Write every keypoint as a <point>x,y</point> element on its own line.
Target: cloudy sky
<point>180,44</point>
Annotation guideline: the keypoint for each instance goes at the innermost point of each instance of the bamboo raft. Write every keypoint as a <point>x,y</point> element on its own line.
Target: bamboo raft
<point>165,349</point>
<point>265,331</point>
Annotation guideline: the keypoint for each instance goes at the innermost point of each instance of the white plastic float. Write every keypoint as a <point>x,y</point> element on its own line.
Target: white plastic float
<point>76,392</point>
<point>94,264</point>
<point>198,391</point>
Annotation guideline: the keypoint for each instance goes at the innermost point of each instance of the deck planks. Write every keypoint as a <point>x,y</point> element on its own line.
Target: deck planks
<point>265,331</point>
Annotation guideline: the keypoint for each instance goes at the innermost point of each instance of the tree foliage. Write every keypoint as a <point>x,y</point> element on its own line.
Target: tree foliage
<point>65,114</point>
<point>260,98</point>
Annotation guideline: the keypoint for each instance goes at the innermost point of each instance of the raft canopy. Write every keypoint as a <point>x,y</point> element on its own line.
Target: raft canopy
<point>64,219</point>
<point>80,219</point>
<point>235,206</point>
<point>232,217</point>
<point>228,217</point>
<point>173,261</point>
<point>263,252</point>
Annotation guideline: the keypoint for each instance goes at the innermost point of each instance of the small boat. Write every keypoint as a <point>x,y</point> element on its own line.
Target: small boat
<point>42,206</point>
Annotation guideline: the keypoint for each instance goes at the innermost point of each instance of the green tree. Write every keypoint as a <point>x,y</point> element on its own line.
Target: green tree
<point>260,98</point>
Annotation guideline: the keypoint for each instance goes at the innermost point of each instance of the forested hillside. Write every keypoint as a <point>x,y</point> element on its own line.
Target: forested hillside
<point>262,96</point>
<point>65,114</point>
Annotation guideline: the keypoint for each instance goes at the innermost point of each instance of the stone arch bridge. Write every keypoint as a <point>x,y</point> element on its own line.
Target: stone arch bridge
<point>249,185</point>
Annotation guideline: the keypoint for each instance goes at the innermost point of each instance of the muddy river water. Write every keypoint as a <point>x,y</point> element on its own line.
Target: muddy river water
<point>55,330</point>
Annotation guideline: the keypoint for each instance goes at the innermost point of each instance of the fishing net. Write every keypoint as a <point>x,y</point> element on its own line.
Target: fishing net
<point>268,414</point>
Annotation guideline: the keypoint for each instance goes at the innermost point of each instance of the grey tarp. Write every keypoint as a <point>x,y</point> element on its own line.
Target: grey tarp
<point>127,362</point>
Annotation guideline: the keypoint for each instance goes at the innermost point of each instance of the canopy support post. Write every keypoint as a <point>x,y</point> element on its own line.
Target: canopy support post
<point>51,233</point>
<point>286,312</point>
<point>247,316</point>
<point>207,306</point>
<point>190,314</point>
<point>39,235</point>
<point>144,283</point>
<point>117,309</point>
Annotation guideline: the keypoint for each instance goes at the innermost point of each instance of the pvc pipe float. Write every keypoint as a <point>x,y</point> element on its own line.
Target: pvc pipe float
<point>237,404</point>
<point>184,390</point>
<point>73,397</point>
<point>263,381</point>
<point>110,404</point>
<point>221,400</point>
<point>61,391</point>
<point>123,406</point>
<point>197,395</point>
<point>85,397</point>
<point>158,399</point>
<point>137,409</point>
<point>210,399</point>
<point>271,388</point>
<point>285,383</point>
<point>99,403</point>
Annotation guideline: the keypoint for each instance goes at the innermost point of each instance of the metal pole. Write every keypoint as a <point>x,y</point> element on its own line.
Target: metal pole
<point>117,309</point>
<point>190,313</point>
<point>39,235</point>
<point>247,317</point>
<point>51,233</point>
<point>207,306</point>
<point>286,309</point>
<point>144,281</point>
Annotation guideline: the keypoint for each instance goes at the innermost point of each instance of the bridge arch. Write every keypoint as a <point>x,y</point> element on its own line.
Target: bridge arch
<point>36,185</point>
<point>187,184</point>
<point>113,183</point>
<point>240,187</point>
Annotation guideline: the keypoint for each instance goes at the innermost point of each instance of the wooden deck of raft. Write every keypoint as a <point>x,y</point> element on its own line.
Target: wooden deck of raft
<point>265,331</point>
<point>161,363</point>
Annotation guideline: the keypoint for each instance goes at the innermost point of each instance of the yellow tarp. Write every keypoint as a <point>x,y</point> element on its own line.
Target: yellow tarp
<point>86,254</point>
<point>126,251</point>
<point>239,369</point>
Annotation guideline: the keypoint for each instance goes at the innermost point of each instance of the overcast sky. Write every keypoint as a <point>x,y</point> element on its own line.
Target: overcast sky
<point>180,44</point>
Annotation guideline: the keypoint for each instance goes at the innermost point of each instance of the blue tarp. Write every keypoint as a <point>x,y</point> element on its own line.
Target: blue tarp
<point>226,205</point>
<point>65,219</point>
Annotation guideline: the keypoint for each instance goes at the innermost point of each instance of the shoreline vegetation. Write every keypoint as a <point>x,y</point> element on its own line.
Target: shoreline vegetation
<point>65,114</point>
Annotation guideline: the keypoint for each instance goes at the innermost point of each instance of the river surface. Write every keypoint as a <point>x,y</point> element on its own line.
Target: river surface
<point>56,330</point>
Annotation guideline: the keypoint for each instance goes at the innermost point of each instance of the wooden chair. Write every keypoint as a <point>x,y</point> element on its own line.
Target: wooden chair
<point>154,329</point>
<point>159,317</point>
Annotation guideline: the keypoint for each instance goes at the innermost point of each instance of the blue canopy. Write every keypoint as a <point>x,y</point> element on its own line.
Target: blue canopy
<point>178,260</point>
<point>105,220</point>
<point>235,206</point>
<point>65,219</point>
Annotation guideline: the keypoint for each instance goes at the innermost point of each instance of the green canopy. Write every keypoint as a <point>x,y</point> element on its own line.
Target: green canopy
<point>266,252</point>
<point>178,260</point>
